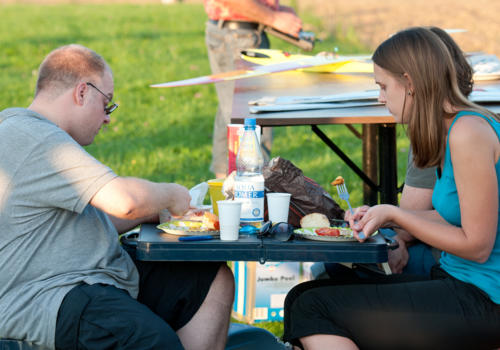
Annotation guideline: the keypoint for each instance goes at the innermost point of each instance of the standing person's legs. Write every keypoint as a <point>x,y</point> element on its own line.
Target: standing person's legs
<point>223,46</point>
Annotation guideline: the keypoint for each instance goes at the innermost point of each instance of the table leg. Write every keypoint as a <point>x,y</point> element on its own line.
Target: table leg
<point>370,195</point>
<point>387,164</point>
<point>367,180</point>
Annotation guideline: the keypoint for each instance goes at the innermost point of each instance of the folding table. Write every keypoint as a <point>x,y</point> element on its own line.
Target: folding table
<point>154,245</point>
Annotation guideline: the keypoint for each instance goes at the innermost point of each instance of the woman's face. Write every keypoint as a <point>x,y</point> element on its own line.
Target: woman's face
<point>392,93</point>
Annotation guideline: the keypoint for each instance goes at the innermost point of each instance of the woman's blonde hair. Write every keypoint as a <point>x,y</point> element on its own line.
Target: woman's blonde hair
<point>422,55</point>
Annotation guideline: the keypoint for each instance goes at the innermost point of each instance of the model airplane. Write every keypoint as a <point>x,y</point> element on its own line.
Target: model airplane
<point>273,61</point>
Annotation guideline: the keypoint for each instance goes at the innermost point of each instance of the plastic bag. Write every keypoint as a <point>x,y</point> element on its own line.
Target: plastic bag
<point>307,195</point>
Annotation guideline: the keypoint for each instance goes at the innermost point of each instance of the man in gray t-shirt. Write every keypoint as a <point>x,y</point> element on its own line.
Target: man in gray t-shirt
<point>63,274</point>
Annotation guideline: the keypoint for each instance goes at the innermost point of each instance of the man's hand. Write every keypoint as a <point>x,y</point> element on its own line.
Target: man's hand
<point>179,199</point>
<point>285,20</point>
<point>398,258</point>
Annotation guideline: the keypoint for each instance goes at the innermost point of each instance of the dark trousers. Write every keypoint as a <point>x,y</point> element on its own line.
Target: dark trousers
<point>105,317</point>
<point>395,312</point>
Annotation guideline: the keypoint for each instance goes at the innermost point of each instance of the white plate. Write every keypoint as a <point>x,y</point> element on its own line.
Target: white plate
<point>308,233</point>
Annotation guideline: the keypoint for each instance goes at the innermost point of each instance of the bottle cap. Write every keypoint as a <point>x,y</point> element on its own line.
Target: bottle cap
<point>250,122</point>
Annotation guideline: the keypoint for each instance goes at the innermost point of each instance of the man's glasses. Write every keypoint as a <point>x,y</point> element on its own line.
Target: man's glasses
<point>111,106</point>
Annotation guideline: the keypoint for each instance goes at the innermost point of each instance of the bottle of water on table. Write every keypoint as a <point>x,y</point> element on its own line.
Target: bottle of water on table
<point>249,181</point>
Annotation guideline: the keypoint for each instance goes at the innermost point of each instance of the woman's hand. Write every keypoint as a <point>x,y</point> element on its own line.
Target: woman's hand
<point>370,220</point>
<point>358,214</point>
<point>353,219</point>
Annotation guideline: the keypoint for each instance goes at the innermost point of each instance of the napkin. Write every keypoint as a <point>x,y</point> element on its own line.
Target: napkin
<point>198,194</point>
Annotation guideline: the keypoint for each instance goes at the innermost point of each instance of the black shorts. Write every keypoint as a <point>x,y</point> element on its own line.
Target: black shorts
<point>395,312</point>
<point>102,317</point>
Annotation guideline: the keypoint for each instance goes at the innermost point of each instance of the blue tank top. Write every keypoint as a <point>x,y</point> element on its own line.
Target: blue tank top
<point>485,276</point>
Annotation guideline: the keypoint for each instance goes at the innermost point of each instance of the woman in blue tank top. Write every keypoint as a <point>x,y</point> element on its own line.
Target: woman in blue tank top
<point>458,306</point>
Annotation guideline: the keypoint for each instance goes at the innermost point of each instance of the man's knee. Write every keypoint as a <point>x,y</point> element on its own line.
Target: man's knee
<point>144,331</point>
<point>102,316</point>
<point>223,285</point>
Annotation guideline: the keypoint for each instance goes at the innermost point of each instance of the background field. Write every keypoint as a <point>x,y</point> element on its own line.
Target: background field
<point>160,134</point>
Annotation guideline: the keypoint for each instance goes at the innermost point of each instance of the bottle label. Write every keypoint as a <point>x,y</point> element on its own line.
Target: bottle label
<point>250,191</point>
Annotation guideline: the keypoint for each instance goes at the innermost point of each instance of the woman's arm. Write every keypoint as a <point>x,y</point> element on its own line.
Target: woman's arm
<point>474,150</point>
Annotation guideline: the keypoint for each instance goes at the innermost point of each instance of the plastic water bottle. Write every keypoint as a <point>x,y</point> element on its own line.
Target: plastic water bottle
<point>249,181</point>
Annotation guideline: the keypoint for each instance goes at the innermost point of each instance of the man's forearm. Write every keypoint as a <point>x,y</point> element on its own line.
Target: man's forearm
<point>253,10</point>
<point>135,199</point>
<point>123,225</point>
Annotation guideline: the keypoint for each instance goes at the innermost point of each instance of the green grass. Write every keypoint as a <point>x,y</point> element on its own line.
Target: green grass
<point>161,134</point>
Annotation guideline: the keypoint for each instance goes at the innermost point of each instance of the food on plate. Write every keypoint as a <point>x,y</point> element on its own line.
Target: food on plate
<point>339,180</point>
<point>193,220</point>
<point>193,215</point>
<point>314,220</point>
<point>327,231</point>
<point>326,234</point>
<point>210,221</point>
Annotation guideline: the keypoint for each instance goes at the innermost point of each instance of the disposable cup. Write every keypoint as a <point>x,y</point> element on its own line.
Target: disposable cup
<point>215,192</point>
<point>278,204</point>
<point>229,219</point>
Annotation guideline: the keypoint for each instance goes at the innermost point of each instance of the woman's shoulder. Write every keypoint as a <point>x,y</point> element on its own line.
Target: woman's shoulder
<point>470,130</point>
<point>470,122</point>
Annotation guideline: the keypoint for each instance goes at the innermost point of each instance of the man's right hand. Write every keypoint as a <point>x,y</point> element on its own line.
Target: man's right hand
<point>398,258</point>
<point>287,21</point>
<point>179,199</point>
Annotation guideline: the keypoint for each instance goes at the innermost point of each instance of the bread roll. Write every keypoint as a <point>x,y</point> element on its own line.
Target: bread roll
<point>314,220</point>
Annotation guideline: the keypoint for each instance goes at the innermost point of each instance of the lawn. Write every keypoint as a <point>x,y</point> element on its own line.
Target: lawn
<point>160,134</point>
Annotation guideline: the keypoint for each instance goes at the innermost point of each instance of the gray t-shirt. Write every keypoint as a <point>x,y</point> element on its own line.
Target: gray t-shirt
<point>418,177</point>
<point>51,238</point>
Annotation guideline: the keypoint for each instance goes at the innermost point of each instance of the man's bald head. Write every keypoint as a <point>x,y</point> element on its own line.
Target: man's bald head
<point>66,66</point>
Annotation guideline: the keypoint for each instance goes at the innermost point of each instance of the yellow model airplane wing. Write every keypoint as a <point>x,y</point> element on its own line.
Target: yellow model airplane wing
<point>345,64</point>
<point>300,63</point>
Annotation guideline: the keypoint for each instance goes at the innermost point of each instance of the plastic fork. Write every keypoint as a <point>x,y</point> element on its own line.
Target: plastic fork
<point>344,195</point>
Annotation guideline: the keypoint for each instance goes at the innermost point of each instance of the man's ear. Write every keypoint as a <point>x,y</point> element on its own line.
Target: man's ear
<point>79,93</point>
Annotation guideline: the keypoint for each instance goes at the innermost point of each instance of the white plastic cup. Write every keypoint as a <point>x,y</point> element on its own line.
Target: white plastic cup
<point>278,204</point>
<point>229,219</point>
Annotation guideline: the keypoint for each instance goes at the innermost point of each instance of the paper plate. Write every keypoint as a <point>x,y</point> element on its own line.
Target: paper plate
<point>309,233</point>
<point>184,228</point>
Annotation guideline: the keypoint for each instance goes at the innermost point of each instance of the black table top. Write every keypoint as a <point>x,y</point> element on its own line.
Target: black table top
<point>154,245</point>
